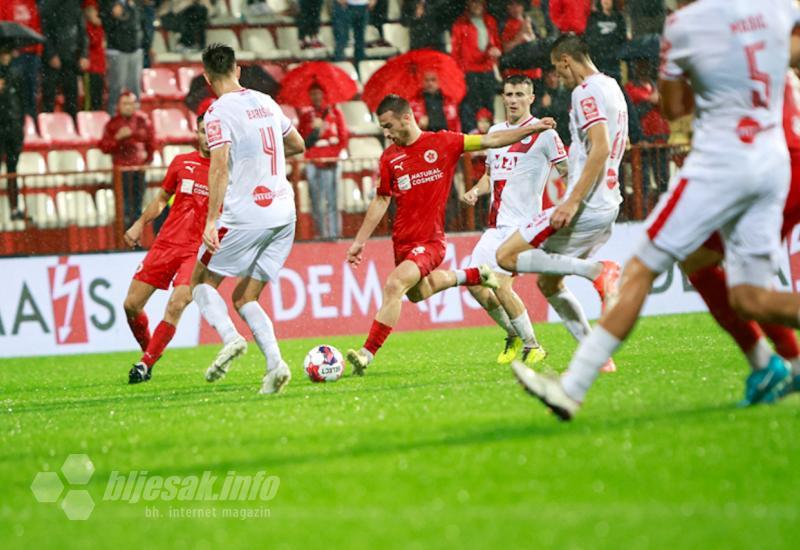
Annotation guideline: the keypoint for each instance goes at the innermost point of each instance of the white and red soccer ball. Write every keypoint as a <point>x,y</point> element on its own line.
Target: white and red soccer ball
<point>324,364</point>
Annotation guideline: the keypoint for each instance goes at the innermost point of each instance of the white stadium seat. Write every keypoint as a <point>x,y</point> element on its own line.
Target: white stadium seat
<point>260,42</point>
<point>228,36</point>
<point>76,208</point>
<point>288,40</point>
<point>358,118</point>
<point>303,196</point>
<point>397,35</point>
<point>373,35</point>
<point>33,166</point>
<point>104,201</point>
<point>41,208</point>
<point>172,151</point>
<point>368,67</point>
<point>66,161</point>
<point>365,147</point>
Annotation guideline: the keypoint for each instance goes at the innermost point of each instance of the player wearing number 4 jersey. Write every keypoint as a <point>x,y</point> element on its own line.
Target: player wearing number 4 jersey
<point>417,169</point>
<point>735,181</point>
<point>248,136</point>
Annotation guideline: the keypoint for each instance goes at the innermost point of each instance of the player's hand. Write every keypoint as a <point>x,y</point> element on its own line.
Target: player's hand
<point>470,197</point>
<point>547,123</point>
<point>563,214</point>
<point>133,235</point>
<point>355,253</point>
<point>211,237</point>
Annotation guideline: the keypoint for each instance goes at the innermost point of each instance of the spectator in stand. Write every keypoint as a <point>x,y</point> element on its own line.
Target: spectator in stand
<point>96,72</point>
<point>424,30</point>
<point>65,52</point>
<point>553,100</point>
<point>349,14</point>
<point>432,110</point>
<point>308,23</point>
<point>129,138</point>
<point>647,16</point>
<point>122,23</point>
<point>378,15</point>
<point>518,30</point>
<point>189,18</point>
<point>476,48</point>
<point>12,119</point>
<point>325,133</point>
<point>606,32</point>
<point>655,129</point>
<point>28,63</point>
<point>148,14</point>
<point>570,15</point>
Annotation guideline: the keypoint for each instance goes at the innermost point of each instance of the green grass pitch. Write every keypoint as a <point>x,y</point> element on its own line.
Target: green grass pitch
<point>436,447</point>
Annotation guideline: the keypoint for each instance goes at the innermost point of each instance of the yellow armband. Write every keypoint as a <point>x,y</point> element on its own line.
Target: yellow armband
<point>472,143</point>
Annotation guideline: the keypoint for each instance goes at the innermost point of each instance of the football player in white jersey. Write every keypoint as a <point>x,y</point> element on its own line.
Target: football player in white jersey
<point>735,54</point>
<point>515,177</point>
<point>248,136</point>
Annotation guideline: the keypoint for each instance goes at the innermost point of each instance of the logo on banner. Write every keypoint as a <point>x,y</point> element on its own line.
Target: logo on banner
<point>66,296</point>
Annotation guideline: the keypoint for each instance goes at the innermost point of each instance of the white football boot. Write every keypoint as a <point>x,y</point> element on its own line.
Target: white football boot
<point>223,360</point>
<point>547,389</point>
<point>276,379</point>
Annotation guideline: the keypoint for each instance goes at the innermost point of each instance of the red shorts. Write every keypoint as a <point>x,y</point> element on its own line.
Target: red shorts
<point>791,210</point>
<point>428,256</point>
<point>164,264</point>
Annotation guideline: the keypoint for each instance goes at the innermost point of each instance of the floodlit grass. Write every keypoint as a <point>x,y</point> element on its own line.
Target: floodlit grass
<point>436,447</point>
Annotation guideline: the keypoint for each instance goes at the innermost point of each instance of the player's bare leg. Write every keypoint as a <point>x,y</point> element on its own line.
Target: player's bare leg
<point>245,300</point>
<point>138,295</point>
<point>404,277</point>
<point>518,255</point>
<point>213,309</point>
<point>564,302</point>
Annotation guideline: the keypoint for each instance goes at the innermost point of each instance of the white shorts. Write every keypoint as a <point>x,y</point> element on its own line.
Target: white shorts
<point>744,205</point>
<point>485,251</point>
<point>256,253</point>
<point>589,230</point>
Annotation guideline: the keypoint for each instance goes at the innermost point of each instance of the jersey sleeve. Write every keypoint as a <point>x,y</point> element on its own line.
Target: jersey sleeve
<point>170,183</point>
<point>588,105</point>
<point>556,152</point>
<point>218,127</point>
<point>453,143</point>
<point>284,121</point>
<point>674,49</point>
<point>385,185</point>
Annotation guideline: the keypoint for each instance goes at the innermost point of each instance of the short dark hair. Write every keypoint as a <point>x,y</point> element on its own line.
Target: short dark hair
<point>219,60</point>
<point>394,103</point>
<point>572,45</point>
<point>517,79</point>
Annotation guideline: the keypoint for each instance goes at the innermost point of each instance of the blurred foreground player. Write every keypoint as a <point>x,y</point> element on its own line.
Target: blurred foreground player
<point>248,136</point>
<point>417,169</point>
<point>173,254</point>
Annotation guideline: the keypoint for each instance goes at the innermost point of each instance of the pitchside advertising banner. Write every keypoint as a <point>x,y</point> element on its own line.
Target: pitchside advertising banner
<point>73,304</point>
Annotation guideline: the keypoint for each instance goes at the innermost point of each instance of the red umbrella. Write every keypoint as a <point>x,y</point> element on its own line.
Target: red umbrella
<point>335,83</point>
<point>403,76</point>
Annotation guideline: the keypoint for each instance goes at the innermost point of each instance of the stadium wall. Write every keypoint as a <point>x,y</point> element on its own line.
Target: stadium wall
<point>73,304</point>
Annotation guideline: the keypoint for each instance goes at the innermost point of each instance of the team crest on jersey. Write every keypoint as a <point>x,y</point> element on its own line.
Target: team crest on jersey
<point>431,156</point>
<point>404,183</point>
<point>589,108</point>
<point>214,131</point>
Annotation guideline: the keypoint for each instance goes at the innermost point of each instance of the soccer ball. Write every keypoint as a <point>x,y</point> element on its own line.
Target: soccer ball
<point>324,364</point>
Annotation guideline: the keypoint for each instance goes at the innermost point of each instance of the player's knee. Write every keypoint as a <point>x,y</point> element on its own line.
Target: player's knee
<point>394,288</point>
<point>506,259</point>
<point>132,307</point>
<point>177,304</point>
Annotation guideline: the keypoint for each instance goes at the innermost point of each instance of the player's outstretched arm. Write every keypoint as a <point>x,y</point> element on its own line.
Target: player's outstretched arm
<point>217,185</point>
<point>293,143</point>
<point>480,188</point>
<point>134,233</point>
<point>507,137</point>
<point>377,209</point>
<point>599,150</point>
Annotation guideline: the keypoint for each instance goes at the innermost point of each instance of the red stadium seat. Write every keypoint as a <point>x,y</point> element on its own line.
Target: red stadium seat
<point>91,125</point>
<point>32,139</point>
<point>59,129</point>
<point>160,84</point>
<point>185,77</point>
<point>171,126</point>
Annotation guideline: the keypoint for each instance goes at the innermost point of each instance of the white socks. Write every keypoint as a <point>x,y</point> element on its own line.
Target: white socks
<point>263,332</point>
<point>214,310</point>
<point>501,318</point>
<point>461,276</point>
<point>522,325</point>
<point>759,356</point>
<point>539,261</point>
<point>592,354</point>
<point>569,309</point>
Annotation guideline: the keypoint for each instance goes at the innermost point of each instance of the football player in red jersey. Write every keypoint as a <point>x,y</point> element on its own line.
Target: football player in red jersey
<point>172,257</point>
<point>417,169</point>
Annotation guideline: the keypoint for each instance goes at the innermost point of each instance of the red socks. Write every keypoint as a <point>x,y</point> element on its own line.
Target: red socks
<point>140,329</point>
<point>784,338</point>
<point>711,284</point>
<point>161,337</point>
<point>473,276</point>
<point>378,333</point>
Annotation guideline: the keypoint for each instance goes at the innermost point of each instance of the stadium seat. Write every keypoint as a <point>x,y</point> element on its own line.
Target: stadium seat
<point>171,126</point>
<point>350,199</point>
<point>397,35</point>
<point>91,125</point>
<point>76,208</point>
<point>32,138</point>
<point>41,208</point>
<point>303,198</point>
<point>358,118</point>
<point>185,77</point>
<point>159,84</point>
<point>66,161</point>
<point>171,151</point>
<point>33,166</point>
<point>104,201</point>
<point>394,13</point>
<point>348,67</point>
<point>162,53</point>
<point>228,36</point>
<point>6,223</point>
<point>288,40</point>
<point>368,67</point>
<point>260,42</point>
<point>97,160</point>
<point>149,194</point>
<point>372,35</point>
<point>221,15</point>
<point>365,148</point>
<point>157,171</point>
<point>59,129</point>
